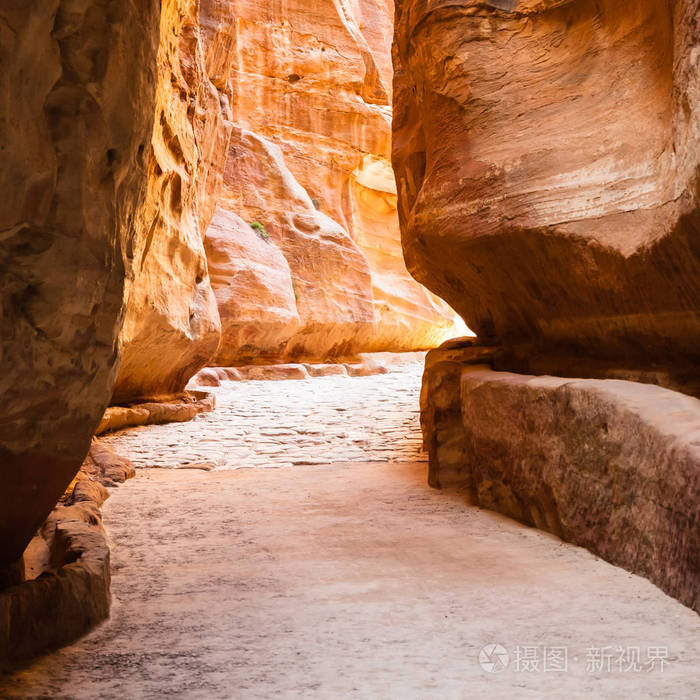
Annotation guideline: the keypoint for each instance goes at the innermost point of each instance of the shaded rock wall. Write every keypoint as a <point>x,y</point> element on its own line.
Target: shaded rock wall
<point>312,86</point>
<point>66,590</point>
<point>77,85</point>
<point>547,162</point>
<point>546,155</point>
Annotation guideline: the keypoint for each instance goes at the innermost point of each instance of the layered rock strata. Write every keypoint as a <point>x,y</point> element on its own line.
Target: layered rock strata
<point>610,465</point>
<point>77,86</point>
<point>546,155</point>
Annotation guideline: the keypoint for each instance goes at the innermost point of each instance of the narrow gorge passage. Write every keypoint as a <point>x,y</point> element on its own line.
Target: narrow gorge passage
<point>285,423</point>
<point>350,579</point>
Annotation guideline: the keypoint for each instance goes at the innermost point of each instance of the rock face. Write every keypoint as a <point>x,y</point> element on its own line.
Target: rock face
<point>310,162</point>
<point>546,155</point>
<point>331,283</point>
<point>610,465</point>
<point>172,325</point>
<point>254,289</point>
<point>547,163</point>
<point>77,82</point>
<point>66,591</point>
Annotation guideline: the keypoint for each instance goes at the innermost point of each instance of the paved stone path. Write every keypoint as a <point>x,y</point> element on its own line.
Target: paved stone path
<point>350,580</point>
<point>285,423</point>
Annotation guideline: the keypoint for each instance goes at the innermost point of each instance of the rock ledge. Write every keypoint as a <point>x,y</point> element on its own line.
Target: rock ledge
<point>610,465</point>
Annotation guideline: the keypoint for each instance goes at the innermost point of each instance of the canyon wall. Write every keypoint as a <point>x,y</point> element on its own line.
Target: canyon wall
<point>77,85</point>
<point>547,160</point>
<point>305,91</point>
<point>172,326</point>
<point>127,134</point>
<point>310,164</point>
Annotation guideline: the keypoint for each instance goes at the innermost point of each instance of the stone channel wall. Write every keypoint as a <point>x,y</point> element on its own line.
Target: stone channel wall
<point>610,465</point>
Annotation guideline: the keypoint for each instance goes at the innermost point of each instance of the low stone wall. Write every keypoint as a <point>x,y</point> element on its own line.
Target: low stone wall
<point>613,466</point>
<point>361,365</point>
<point>66,590</point>
<point>177,409</point>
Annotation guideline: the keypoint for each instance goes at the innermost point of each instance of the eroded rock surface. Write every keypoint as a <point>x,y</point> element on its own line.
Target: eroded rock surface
<point>546,155</point>
<point>312,86</point>
<point>331,283</point>
<point>77,85</point>
<point>253,287</point>
<point>172,325</point>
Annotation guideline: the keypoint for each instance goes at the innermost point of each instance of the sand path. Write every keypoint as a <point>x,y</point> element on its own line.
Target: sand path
<point>354,580</point>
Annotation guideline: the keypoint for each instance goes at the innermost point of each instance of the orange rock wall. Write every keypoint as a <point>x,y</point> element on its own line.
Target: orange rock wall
<point>172,327</point>
<point>77,93</point>
<point>330,278</point>
<point>254,289</point>
<point>547,159</point>
<point>312,87</point>
<point>309,85</point>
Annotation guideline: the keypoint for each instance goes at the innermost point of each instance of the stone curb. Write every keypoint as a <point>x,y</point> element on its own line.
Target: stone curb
<point>72,593</point>
<point>178,410</point>
<point>610,465</point>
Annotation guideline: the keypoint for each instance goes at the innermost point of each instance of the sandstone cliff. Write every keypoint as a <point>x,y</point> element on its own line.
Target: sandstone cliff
<point>312,86</point>
<point>309,90</point>
<point>546,155</point>
<point>172,326</point>
<point>77,82</point>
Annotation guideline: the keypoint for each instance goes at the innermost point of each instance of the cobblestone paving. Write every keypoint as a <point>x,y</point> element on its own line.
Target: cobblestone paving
<point>285,423</point>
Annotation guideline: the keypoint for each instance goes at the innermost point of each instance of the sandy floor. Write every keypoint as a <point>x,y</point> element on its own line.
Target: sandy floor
<point>356,580</point>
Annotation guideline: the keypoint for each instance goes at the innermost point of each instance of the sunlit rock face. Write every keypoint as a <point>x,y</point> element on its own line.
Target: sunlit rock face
<point>172,325</point>
<point>546,155</point>
<point>330,279</point>
<point>407,315</point>
<point>77,84</point>
<point>312,82</point>
<point>254,290</point>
